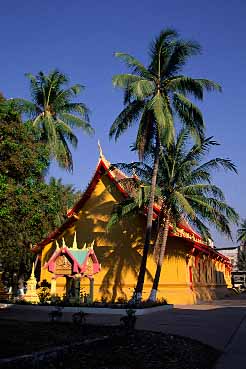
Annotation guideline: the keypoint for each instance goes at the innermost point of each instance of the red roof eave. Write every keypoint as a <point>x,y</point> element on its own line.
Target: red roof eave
<point>207,250</point>
<point>103,167</point>
<point>72,214</point>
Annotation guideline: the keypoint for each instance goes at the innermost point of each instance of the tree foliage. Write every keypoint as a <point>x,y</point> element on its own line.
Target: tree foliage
<point>185,191</point>
<point>155,93</point>
<point>54,114</point>
<point>241,261</point>
<point>30,207</point>
<point>154,96</point>
<point>184,185</point>
<point>241,233</point>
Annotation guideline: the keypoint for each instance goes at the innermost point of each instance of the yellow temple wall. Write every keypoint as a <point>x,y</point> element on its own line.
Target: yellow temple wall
<point>119,252</point>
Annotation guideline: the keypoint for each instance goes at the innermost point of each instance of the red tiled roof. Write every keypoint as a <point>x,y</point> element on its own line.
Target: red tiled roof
<point>116,175</point>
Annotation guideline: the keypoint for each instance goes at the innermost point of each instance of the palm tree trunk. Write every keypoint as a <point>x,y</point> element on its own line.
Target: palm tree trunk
<point>152,296</point>
<point>141,275</point>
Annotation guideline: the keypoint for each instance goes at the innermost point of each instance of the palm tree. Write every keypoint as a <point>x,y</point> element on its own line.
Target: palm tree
<point>185,187</point>
<point>54,114</point>
<point>241,260</point>
<point>241,233</point>
<point>241,238</point>
<point>188,192</point>
<point>153,95</point>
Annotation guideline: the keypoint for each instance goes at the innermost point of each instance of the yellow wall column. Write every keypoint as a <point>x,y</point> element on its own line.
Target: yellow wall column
<point>91,289</point>
<point>77,287</point>
<point>53,286</point>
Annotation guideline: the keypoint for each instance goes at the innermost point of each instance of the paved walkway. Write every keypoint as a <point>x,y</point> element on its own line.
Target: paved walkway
<point>221,324</point>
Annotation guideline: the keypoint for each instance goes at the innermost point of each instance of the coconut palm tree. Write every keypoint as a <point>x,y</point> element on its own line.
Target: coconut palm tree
<point>241,233</point>
<point>186,190</point>
<point>54,114</point>
<point>241,260</point>
<point>153,95</point>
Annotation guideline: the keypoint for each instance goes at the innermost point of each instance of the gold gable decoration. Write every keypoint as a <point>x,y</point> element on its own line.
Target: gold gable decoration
<point>63,265</point>
<point>89,267</point>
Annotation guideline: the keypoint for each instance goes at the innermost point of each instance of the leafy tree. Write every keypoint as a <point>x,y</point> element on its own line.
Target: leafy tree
<point>153,95</point>
<point>241,233</point>
<point>30,208</point>
<point>241,261</point>
<point>54,114</point>
<point>186,190</point>
<point>22,156</point>
<point>241,238</point>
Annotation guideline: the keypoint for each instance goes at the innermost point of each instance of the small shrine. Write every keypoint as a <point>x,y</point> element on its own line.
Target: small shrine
<point>73,263</point>
<point>31,293</point>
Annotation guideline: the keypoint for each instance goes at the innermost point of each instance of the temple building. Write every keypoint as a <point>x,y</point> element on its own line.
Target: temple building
<point>192,271</point>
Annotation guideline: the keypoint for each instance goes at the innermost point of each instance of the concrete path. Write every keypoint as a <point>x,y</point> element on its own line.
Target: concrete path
<point>234,353</point>
<point>221,324</point>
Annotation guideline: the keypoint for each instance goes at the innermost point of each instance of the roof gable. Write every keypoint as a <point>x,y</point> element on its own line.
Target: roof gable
<point>115,176</point>
<point>78,258</point>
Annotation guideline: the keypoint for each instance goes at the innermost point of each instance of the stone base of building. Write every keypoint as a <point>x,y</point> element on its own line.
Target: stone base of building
<point>31,298</point>
<point>210,293</point>
<point>181,294</point>
<point>173,293</point>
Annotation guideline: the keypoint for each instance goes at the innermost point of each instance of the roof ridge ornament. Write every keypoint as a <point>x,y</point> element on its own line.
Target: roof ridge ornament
<point>33,268</point>
<point>75,246</point>
<point>100,149</point>
<point>63,243</point>
<point>57,246</point>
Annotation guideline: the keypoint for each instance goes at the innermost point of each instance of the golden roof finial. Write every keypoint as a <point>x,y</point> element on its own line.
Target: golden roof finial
<point>92,244</point>
<point>63,242</point>
<point>100,149</point>
<point>33,267</point>
<point>57,246</point>
<point>75,246</point>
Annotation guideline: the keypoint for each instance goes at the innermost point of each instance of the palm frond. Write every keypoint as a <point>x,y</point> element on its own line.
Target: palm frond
<point>75,121</point>
<point>126,119</point>
<point>25,106</point>
<point>201,227</point>
<point>124,80</point>
<point>126,208</point>
<point>63,154</point>
<point>204,189</point>
<point>185,85</point>
<point>65,131</point>
<point>163,117</point>
<point>218,163</point>
<point>182,50</point>
<point>241,232</point>
<point>184,203</point>
<point>132,63</point>
<point>161,49</point>
<point>146,133</point>
<point>190,115</point>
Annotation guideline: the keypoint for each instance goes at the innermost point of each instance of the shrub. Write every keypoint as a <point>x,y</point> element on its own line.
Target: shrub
<point>44,294</point>
<point>129,320</point>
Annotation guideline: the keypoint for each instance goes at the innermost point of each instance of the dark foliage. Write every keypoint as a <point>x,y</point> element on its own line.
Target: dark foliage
<point>30,208</point>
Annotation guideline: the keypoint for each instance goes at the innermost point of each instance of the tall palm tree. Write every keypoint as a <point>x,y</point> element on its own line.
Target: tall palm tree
<point>153,95</point>
<point>185,188</point>
<point>188,192</point>
<point>54,114</point>
<point>241,233</point>
<point>241,260</point>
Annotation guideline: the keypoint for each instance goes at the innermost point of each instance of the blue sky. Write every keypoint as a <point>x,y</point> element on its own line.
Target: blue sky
<point>80,38</point>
